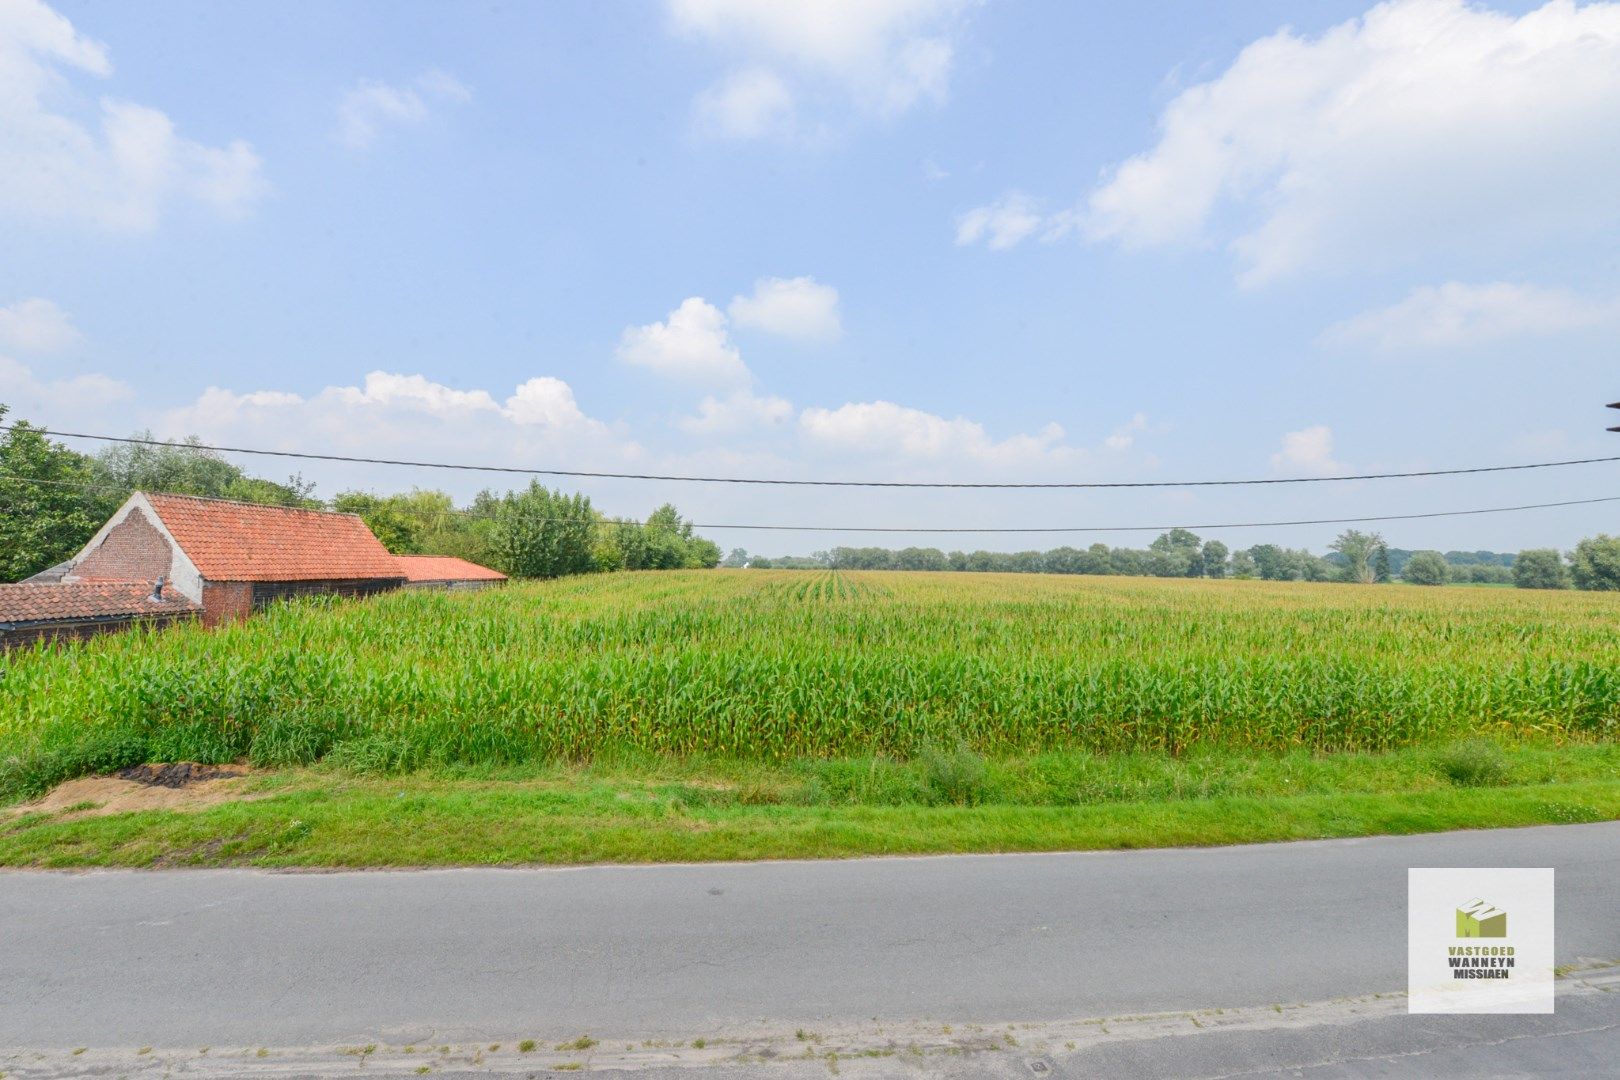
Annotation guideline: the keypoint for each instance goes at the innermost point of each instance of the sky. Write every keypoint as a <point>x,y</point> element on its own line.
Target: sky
<point>932,240</point>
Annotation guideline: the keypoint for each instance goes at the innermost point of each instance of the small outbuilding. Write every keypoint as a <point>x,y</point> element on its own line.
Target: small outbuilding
<point>52,611</point>
<point>447,572</point>
<point>233,558</point>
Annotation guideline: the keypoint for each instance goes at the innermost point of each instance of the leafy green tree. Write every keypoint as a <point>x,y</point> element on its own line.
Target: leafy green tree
<point>1425,568</point>
<point>1215,554</point>
<point>49,502</point>
<point>736,560</point>
<point>1357,549</point>
<point>407,524</point>
<point>1540,568</point>
<point>189,469</point>
<point>1272,563</point>
<point>1381,564</point>
<point>1178,554</point>
<point>539,533</point>
<point>1242,565</point>
<point>1595,563</point>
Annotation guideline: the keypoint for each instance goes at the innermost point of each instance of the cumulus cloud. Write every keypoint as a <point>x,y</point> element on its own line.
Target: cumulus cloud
<point>409,416</point>
<point>37,325</point>
<point>117,170</point>
<point>737,413</point>
<point>1458,314</point>
<point>543,402</point>
<point>1002,224</point>
<point>47,400</point>
<point>1421,126</point>
<point>792,307</point>
<point>371,105</point>
<point>882,428</point>
<point>1308,451</point>
<point>691,343</point>
<point>876,58</point>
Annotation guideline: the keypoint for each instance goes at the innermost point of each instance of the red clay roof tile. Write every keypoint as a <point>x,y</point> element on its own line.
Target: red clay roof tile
<point>445,568</point>
<point>232,541</point>
<point>58,601</point>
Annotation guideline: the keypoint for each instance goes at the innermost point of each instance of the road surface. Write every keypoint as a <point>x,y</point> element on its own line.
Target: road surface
<point>858,954</point>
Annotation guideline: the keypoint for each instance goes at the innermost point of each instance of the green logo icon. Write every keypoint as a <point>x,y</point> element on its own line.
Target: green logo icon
<point>1479,919</point>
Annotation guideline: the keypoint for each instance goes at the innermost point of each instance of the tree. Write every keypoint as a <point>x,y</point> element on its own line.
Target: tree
<point>50,504</point>
<point>1381,564</point>
<point>1215,554</point>
<point>1540,568</point>
<point>736,560</point>
<point>189,469</point>
<point>1357,550</point>
<point>1242,565</point>
<point>1425,568</point>
<point>1595,563</point>
<point>539,533</point>
<point>1177,554</point>
<point>1272,563</point>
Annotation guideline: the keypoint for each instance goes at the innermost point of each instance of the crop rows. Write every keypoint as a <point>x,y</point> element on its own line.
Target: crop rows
<point>778,664</point>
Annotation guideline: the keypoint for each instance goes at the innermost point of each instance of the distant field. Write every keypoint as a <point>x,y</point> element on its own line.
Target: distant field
<point>777,666</point>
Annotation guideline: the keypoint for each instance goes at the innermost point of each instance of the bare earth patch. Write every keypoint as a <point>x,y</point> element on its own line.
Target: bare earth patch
<point>175,786</point>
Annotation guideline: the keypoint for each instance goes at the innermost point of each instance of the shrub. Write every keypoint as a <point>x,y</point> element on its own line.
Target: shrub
<point>1477,763</point>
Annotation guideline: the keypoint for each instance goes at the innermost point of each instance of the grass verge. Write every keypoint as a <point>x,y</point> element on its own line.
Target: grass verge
<point>948,801</point>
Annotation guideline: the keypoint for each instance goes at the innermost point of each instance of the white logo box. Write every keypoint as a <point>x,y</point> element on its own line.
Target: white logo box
<point>1511,973</point>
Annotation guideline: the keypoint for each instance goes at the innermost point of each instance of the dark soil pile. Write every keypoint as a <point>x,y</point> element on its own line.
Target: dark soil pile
<point>177,774</point>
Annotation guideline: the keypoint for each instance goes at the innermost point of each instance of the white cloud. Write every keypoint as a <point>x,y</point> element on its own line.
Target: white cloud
<point>45,401</point>
<point>1124,436</point>
<point>1422,127</point>
<point>1002,224</point>
<point>118,171</point>
<point>882,428</point>
<point>876,57</point>
<point>542,402</point>
<point>792,307</point>
<point>412,417</point>
<point>746,104</point>
<point>692,343</point>
<point>737,413</point>
<point>37,325</point>
<point>1308,451</point>
<point>371,105</point>
<point>1458,314</point>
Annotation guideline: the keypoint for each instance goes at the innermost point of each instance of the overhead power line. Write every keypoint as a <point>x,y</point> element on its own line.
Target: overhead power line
<point>677,478</point>
<point>1365,519</point>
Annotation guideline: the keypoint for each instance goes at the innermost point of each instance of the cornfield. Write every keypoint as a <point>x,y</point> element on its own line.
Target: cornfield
<point>783,664</point>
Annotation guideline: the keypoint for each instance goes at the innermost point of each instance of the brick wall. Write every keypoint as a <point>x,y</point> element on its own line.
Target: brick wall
<point>226,601</point>
<point>133,550</point>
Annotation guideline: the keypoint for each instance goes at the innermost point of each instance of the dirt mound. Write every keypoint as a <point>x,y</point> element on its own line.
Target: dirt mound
<point>173,786</point>
<point>177,774</point>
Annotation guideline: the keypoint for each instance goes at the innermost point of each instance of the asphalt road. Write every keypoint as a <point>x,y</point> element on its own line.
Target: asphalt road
<point>667,954</point>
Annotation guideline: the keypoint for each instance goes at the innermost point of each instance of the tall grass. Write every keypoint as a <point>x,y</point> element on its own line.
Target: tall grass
<point>779,665</point>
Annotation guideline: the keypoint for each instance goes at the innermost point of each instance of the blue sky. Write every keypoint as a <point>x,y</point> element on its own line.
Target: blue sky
<point>908,239</point>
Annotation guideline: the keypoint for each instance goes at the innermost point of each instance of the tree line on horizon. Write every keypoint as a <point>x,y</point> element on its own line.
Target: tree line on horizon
<point>1354,557</point>
<point>54,498</point>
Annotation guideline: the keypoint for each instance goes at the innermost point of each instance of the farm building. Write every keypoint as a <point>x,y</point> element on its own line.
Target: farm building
<point>53,611</point>
<point>447,572</point>
<point>231,558</point>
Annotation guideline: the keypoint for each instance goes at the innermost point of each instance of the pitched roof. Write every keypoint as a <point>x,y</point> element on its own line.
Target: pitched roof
<point>234,541</point>
<point>56,602</point>
<point>445,568</point>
